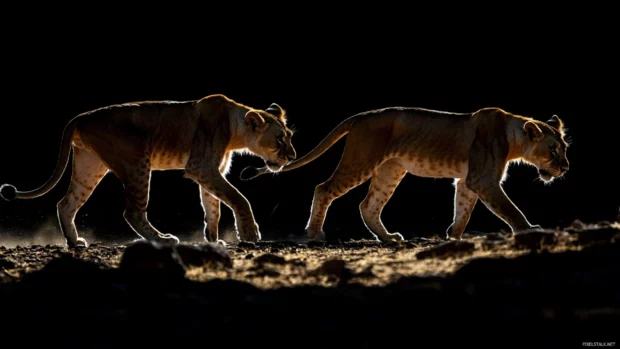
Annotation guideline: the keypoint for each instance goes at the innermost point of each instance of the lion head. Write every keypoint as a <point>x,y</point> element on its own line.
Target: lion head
<point>269,137</point>
<point>546,147</point>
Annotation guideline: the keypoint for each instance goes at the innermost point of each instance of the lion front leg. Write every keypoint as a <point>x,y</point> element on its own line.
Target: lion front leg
<point>222,190</point>
<point>496,200</point>
<point>203,167</point>
<point>486,166</point>
<point>211,207</point>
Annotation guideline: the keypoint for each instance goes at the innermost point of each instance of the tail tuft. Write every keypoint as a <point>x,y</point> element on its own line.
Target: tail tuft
<point>8,192</point>
<point>249,173</point>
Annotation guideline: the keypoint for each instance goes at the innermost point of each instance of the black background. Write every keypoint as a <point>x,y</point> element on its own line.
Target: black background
<point>320,74</point>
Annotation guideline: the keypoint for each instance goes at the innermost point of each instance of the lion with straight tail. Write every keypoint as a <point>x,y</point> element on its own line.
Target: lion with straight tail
<point>473,148</point>
<point>133,139</point>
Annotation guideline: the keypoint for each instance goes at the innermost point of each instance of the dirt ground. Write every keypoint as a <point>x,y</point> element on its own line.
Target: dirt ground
<point>274,264</point>
<point>569,277</point>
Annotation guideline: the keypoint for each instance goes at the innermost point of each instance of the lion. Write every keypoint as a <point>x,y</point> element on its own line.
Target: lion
<point>133,139</point>
<point>473,148</point>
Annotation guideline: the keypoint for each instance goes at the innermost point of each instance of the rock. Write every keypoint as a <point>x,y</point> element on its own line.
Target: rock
<point>473,233</point>
<point>316,244</point>
<point>249,256</point>
<point>596,233</point>
<point>246,244</point>
<point>448,249</point>
<point>298,262</point>
<point>496,237</point>
<point>491,244</point>
<point>393,244</point>
<point>577,224</point>
<point>410,244</point>
<point>268,272</point>
<point>334,267</point>
<point>147,258</point>
<point>332,241</point>
<point>275,250</point>
<point>7,263</point>
<point>592,262</point>
<point>534,240</point>
<point>68,270</point>
<point>288,243</point>
<point>211,254</point>
<point>366,273</point>
<point>270,258</point>
<point>422,241</point>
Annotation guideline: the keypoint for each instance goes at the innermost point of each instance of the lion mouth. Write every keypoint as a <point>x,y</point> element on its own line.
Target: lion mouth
<point>544,173</point>
<point>274,166</point>
<point>547,175</point>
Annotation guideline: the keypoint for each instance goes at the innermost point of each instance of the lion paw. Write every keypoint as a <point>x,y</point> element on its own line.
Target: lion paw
<point>454,236</point>
<point>249,232</point>
<point>167,239</point>
<point>80,242</point>
<point>395,237</point>
<point>211,237</point>
<point>316,235</point>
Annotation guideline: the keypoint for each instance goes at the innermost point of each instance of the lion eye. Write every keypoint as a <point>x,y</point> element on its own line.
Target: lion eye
<point>553,151</point>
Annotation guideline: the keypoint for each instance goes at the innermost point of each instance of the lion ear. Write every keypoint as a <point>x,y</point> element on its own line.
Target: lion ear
<point>556,123</point>
<point>277,111</point>
<point>255,121</point>
<point>274,109</point>
<point>532,131</point>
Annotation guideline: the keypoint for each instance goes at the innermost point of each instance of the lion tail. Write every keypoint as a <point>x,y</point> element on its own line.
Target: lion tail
<point>338,132</point>
<point>9,192</point>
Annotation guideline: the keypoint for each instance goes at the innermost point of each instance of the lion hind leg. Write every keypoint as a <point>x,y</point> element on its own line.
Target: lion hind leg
<point>382,186</point>
<point>136,180</point>
<point>355,168</point>
<point>88,170</point>
<point>464,202</point>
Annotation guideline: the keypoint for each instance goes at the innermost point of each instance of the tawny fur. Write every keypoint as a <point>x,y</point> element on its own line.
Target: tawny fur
<point>200,137</point>
<point>473,148</point>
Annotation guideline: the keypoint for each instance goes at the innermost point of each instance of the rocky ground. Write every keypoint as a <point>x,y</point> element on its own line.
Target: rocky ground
<point>539,289</point>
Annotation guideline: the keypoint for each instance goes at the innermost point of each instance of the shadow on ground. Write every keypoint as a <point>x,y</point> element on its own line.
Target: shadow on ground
<point>538,299</point>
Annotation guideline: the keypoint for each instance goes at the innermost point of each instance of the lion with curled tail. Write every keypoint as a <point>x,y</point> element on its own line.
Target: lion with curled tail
<point>473,148</point>
<point>133,139</point>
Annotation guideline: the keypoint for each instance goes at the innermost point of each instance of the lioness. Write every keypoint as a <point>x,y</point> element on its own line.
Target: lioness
<point>132,139</point>
<point>474,148</point>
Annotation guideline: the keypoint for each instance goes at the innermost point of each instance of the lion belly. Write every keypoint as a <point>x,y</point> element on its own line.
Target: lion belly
<point>169,160</point>
<point>436,168</point>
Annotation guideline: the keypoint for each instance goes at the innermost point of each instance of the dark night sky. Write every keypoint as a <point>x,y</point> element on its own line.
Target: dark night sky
<point>320,82</point>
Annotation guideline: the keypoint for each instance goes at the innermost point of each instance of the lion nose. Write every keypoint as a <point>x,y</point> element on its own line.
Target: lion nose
<point>564,165</point>
<point>291,155</point>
